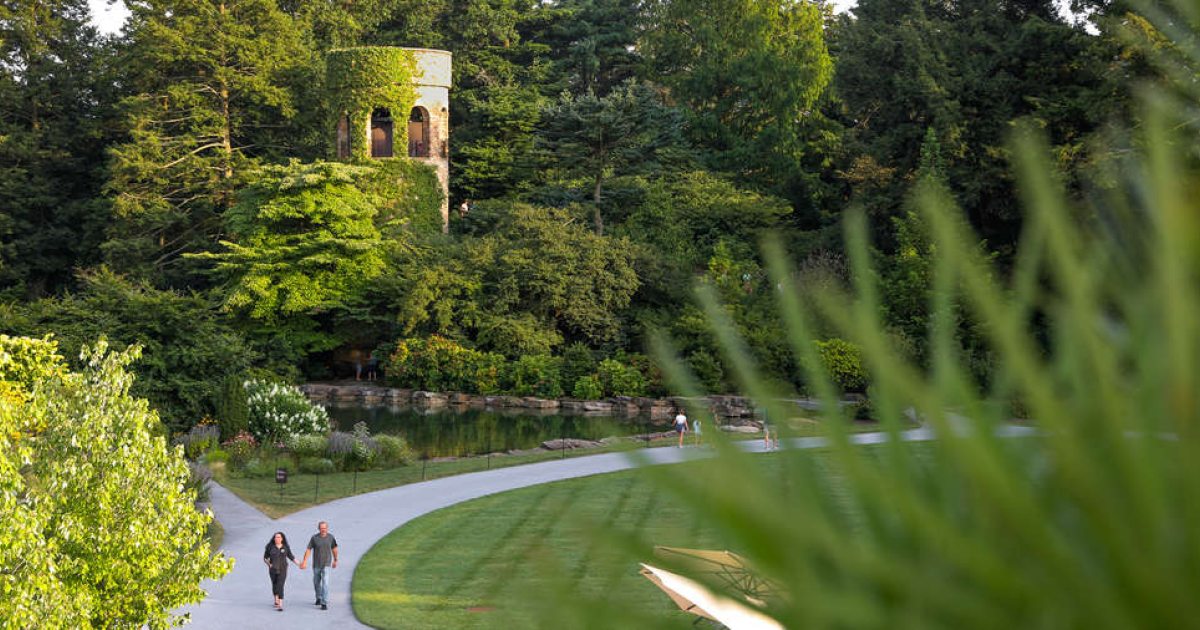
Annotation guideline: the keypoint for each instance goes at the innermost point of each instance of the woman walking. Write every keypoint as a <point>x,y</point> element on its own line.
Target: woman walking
<point>276,556</point>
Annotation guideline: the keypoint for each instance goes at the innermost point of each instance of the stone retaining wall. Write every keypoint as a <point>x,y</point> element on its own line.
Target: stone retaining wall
<point>731,408</point>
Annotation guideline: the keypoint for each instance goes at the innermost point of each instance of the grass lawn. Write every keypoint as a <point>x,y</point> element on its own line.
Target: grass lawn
<point>305,490</point>
<point>486,563</point>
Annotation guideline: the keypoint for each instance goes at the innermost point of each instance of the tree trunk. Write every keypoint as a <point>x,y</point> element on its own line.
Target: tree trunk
<point>596,205</point>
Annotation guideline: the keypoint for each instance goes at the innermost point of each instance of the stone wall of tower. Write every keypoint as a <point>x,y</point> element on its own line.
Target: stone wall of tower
<point>433,80</point>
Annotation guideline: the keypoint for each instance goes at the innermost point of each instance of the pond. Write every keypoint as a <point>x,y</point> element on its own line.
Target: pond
<point>446,432</point>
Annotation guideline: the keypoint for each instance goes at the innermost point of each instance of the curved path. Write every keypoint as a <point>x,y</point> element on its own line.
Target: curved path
<point>243,598</point>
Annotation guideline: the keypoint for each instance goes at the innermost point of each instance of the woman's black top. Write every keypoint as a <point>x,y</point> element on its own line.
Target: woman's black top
<point>278,557</point>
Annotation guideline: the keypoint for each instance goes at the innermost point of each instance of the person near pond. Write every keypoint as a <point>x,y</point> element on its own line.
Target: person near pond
<point>324,549</point>
<point>681,426</point>
<point>770,436</point>
<point>276,556</point>
<point>358,366</point>
<point>372,367</point>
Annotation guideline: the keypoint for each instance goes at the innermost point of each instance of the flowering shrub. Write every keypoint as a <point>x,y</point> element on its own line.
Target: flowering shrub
<point>278,412</point>
<point>240,447</point>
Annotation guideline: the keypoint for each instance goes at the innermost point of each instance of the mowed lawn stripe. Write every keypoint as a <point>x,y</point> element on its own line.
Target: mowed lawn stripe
<point>480,564</point>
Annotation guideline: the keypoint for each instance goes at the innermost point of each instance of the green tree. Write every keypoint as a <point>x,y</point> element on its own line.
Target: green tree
<point>967,70</point>
<point>750,72</point>
<point>498,93</point>
<point>304,240</point>
<point>213,98</point>
<point>99,528</point>
<point>54,98</point>
<point>187,349</point>
<point>599,137</point>
<point>536,279</point>
<point>595,44</point>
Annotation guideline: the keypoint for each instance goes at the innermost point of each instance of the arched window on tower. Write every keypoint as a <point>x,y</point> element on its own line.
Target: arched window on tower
<point>343,137</point>
<point>381,133</point>
<point>418,132</point>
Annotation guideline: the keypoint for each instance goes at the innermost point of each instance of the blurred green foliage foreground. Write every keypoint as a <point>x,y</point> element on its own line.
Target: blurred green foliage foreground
<point>1095,522</point>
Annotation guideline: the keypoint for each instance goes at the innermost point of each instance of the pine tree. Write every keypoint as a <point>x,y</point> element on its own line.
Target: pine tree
<point>213,91</point>
<point>52,105</point>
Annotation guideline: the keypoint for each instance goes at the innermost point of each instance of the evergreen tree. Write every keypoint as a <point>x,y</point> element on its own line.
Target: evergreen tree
<point>499,79</point>
<point>597,138</point>
<point>52,108</point>
<point>966,70</point>
<point>594,43</point>
<point>213,96</point>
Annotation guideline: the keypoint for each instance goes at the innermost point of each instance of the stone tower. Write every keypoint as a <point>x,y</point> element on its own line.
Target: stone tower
<point>393,103</point>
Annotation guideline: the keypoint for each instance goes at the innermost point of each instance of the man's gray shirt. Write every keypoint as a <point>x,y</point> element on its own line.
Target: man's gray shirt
<point>322,549</point>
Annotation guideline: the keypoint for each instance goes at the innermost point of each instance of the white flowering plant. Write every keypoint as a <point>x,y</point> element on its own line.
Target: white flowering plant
<point>278,412</point>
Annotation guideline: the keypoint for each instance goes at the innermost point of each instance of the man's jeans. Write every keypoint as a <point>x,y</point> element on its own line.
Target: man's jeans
<point>321,583</point>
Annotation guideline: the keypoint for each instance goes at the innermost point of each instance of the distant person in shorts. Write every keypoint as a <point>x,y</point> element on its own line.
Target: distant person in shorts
<point>324,549</point>
<point>696,430</point>
<point>681,426</point>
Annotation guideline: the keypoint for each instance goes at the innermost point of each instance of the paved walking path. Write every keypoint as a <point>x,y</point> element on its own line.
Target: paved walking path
<point>243,598</point>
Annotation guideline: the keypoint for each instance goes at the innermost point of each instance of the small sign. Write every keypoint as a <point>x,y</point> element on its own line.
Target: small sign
<point>280,475</point>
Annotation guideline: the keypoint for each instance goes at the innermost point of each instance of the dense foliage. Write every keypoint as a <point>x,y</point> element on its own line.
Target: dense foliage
<point>99,530</point>
<point>606,154</point>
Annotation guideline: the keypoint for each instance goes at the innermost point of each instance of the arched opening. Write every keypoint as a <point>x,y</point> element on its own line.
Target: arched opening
<point>343,137</point>
<point>381,133</point>
<point>418,133</point>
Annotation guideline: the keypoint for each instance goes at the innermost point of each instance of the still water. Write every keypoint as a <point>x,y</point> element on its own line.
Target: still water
<point>449,433</point>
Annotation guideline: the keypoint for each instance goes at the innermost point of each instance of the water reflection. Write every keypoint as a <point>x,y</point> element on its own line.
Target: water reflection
<point>450,432</point>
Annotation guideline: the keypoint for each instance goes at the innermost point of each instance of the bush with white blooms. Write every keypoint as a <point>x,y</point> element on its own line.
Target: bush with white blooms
<point>279,412</point>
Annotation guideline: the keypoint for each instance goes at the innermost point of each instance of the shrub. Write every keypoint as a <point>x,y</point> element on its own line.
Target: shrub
<point>363,450</point>
<point>619,379</point>
<point>650,372</point>
<point>278,412</point>
<point>577,361</point>
<point>216,456</point>
<point>258,467</point>
<point>198,480</point>
<point>486,369</point>
<point>233,415</point>
<point>439,364</point>
<point>588,388</point>
<point>843,362</point>
<point>709,371</point>
<point>535,375</point>
<point>308,445</point>
<point>316,465</point>
<point>199,439</point>
<point>240,447</point>
<point>393,451</point>
<point>340,444</point>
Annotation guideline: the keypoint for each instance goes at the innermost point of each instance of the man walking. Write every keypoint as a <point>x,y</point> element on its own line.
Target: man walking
<point>324,549</point>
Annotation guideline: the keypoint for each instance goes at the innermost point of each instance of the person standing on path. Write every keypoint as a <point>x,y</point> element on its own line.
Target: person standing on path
<point>696,430</point>
<point>324,549</point>
<point>681,426</point>
<point>276,556</point>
